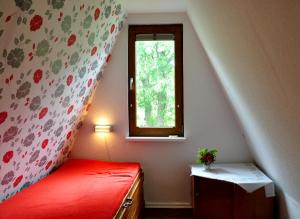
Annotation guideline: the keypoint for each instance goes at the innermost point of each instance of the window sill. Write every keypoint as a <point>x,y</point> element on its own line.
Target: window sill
<point>161,139</point>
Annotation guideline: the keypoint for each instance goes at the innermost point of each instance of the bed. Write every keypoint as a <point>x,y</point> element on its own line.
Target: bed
<point>81,189</point>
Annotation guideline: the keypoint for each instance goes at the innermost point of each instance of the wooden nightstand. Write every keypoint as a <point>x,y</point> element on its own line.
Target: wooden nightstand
<point>219,199</point>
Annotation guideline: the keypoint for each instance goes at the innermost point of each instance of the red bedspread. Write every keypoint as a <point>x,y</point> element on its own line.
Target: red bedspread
<point>80,189</point>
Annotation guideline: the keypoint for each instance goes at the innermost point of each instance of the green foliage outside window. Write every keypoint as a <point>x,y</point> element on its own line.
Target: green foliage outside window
<point>155,88</point>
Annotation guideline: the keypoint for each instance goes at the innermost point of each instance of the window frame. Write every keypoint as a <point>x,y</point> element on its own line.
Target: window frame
<point>177,30</point>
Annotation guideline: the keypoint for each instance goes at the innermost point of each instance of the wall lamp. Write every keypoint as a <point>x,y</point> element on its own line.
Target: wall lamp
<point>103,128</point>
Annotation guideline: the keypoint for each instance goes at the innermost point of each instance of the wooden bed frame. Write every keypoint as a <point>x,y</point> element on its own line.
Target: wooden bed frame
<point>133,203</point>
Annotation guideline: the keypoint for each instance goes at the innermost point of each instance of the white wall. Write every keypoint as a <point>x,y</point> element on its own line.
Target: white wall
<point>254,46</point>
<point>208,117</point>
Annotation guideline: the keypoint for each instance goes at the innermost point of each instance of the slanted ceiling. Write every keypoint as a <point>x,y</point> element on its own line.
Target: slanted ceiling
<point>254,47</point>
<point>52,56</point>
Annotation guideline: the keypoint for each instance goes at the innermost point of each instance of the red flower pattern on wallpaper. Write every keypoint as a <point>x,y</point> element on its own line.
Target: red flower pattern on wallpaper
<point>37,76</point>
<point>112,28</point>
<point>3,116</point>
<point>18,180</point>
<point>48,165</point>
<point>7,156</point>
<point>45,143</point>
<point>43,112</point>
<point>36,22</point>
<point>90,82</point>
<point>71,40</point>
<point>96,14</point>
<point>94,50</point>
<point>69,79</point>
<point>50,51</point>
<point>70,109</point>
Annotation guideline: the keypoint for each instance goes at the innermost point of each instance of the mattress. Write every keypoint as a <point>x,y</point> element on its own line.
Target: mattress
<point>80,189</point>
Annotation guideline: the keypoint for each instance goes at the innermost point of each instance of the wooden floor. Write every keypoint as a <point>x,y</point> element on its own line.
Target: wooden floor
<point>163,213</point>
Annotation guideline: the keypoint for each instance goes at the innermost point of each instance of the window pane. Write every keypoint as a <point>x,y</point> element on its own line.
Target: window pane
<point>155,83</point>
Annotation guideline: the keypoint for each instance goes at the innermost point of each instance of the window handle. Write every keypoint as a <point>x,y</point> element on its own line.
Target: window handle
<point>131,84</point>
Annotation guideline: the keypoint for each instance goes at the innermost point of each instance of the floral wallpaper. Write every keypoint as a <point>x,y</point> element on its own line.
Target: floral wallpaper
<point>52,54</point>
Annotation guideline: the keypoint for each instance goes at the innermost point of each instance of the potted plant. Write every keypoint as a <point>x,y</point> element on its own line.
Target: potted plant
<point>206,157</point>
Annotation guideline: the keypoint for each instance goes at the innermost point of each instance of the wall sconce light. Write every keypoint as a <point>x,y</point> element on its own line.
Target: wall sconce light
<point>103,128</point>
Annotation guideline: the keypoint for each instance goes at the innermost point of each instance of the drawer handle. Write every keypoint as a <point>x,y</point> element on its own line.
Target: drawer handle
<point>128,202</point>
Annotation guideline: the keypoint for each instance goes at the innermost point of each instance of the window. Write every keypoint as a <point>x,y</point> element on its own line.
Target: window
<point>155,82</point>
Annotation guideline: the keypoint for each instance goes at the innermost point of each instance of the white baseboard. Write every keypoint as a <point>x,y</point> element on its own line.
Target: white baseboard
<point>168,205</point>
